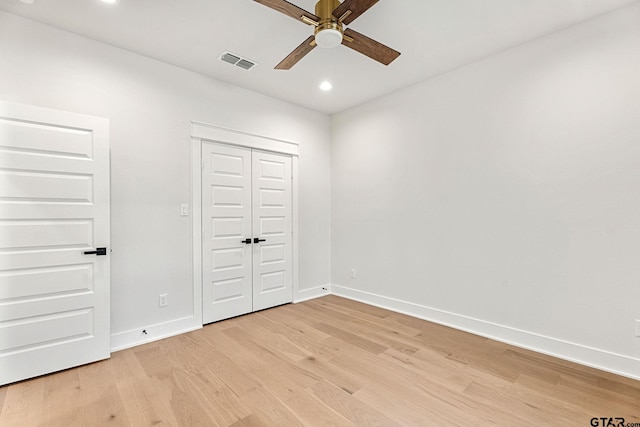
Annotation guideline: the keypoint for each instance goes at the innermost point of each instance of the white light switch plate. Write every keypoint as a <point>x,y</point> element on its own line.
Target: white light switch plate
<point>638,328</point>
<point>184,209</point>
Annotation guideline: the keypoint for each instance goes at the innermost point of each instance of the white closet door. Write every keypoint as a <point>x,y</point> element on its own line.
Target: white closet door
<point>54,207</point>
<point>272,255</point>
<point>226,223</point>
<point>246,231</point>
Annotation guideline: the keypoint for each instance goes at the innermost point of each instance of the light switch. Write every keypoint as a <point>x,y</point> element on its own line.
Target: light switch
<point>184,209</point>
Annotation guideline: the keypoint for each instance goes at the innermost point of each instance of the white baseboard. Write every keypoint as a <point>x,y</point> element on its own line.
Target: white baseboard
<point>134,337</point>
<point>588,356</point>
<point>312,293</point>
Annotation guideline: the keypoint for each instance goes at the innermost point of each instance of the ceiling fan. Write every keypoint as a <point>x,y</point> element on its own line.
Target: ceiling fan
<point>329,21</point>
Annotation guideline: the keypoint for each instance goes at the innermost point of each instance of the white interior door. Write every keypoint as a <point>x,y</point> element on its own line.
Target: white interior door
<point>272,272</point>
<point>226,223</point>
<point>54,206</point>
<point>246,231</point>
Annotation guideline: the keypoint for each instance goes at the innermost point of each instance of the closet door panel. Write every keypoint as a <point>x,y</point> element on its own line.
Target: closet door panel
<point>226,224</point>
<point>272,218</point>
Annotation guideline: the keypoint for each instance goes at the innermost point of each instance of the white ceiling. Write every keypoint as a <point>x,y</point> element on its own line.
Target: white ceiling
<point>434,36</point>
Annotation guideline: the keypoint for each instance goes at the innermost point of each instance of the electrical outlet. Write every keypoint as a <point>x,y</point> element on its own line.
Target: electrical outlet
<point>162,300</point>
<point>184,209</point>
<point>352,273</point>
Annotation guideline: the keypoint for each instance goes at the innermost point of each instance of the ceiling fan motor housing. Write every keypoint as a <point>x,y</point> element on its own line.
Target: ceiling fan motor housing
<point>329,21</point>
<point>329,31</point>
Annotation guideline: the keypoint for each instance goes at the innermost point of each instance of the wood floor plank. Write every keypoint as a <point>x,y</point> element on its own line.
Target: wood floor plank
<point>402,411</point>
<point>372,328</point>
<point>401,384</point>
<point>187,411</point>
<point>24,403</point>
<point>231,373</point>
<point>99,403</point>
<point>252,420</point>
<point>281,378</point>
<point>592,396</point>
<point>269,409</point>
<point>442,370</point>
<point>358,412</point>
<point>154,361</point>
<point>142,396</point>
<point>3,395</point>
<point>301,334</point>
<point>313,412</point>
<point>328,371</point>
<point>527,402</point>
<point>328,361</point>
<point>353,339</point>
<point>221,404</point>
<point>60,389</point>
<point>439,369</point>
<point>353,307</point>
<point>259,331</point>
<point>270,357</point>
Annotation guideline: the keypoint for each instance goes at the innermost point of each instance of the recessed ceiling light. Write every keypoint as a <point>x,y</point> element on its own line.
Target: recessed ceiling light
<point>110,1</point>
<point>28,1</point>
<point>326,86</point>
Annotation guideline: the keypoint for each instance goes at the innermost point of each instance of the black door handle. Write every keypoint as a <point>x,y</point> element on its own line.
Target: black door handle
<point>256,240</point>
<point>97,252</point>
<point>246,241</point>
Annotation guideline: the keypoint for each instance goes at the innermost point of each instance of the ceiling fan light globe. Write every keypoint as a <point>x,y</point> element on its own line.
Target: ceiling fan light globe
<point>328,38</point>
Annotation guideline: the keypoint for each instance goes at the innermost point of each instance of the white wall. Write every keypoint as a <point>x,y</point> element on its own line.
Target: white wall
<point>150,105</point>
<point>504,197</point>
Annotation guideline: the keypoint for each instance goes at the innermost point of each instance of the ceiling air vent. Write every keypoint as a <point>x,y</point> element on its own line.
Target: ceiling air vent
<point>237,60</point>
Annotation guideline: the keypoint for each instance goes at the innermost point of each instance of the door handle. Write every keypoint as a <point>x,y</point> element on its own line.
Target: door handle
<point>256,240</point>
<point>97,252</point>
<point>246,241</point>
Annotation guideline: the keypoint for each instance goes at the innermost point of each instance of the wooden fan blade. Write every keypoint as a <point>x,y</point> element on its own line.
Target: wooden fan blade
<point>288,9</point>
<point>370,47</point>
<point>357,8</point>
<point>298,53</point>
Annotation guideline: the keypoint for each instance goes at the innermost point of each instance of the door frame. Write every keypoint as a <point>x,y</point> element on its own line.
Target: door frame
<point>209,133</point>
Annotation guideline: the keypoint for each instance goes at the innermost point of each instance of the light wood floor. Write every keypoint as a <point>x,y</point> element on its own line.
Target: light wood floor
<point>325,362</point>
